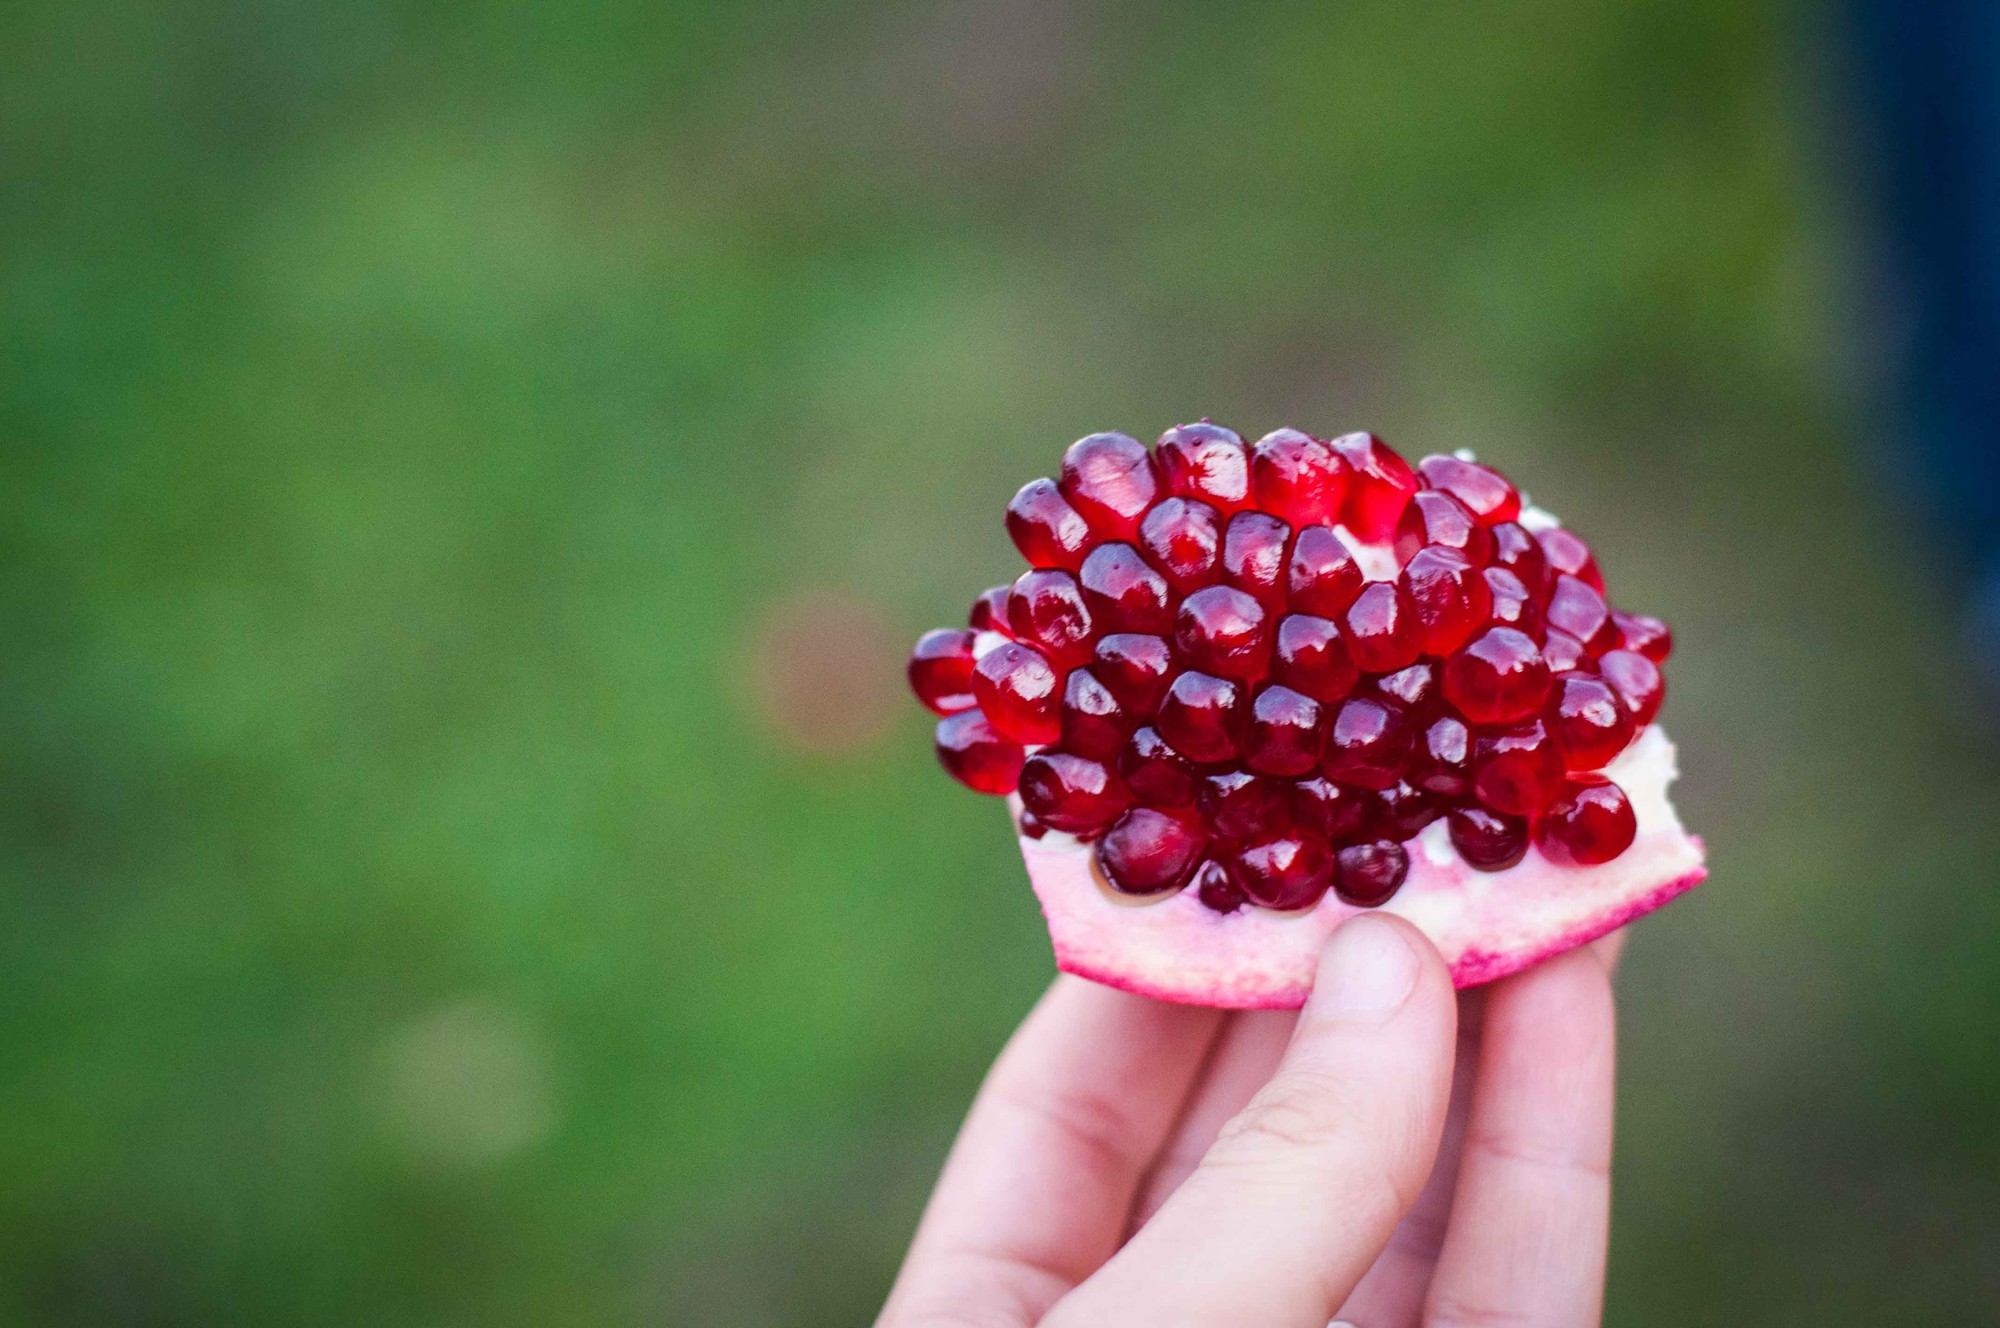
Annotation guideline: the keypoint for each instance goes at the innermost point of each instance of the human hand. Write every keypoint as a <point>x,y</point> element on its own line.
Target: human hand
<point>1132,1162</point>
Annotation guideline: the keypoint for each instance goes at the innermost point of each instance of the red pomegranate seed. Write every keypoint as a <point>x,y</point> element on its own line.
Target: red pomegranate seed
<point>1378,489</point>
<point>1517,551</point>
<point>1202,716</point>
<point>1369,874</point>
<point>1498,677</point>
<point>1284,872</point>
<point>1146,851</point>
<point>1402,810</point>
<point>1093,723</point>
<point>1481,490</point>
<point>1045,528</point>
<point>1369,744</point>
<point>1312,657</point>
<point>1450,597</point>
<point>1444,758</point>
<point>941,670</point>
<point>1637,681</point>
<point>1570,556</point>
<point>1208,462</point>
<point>1332,811</point>
<point>1221,630</point>
<point>1158,775</point>
<point>1240,805</point>
<point>1135,667</point>
<point>1513,605</point>
<point>1644,633</point>
<point>1254,549</point>
<point>1324,578</point>
<point>1030,825</point>
<point>1487,840</point>
<point>1516,769</point>
<point>978,755</point>
<point>1439,518</point>
<point>1111,479</point>
<point>1071,792</point>
<point>1578,610</point>
<point>1297,478</point>
<point>989,611</point>
<point>1381,628</point>
<point>1589,721</point>
<point>1213,886</point>
<point>1183,538</point>
<point>1589,822</point>
<point>1287,730</point>
<point>1415,688</point>
<point>1018,690</point>
<point>1123,592</point>
<point>1046,610</point>
<point>1562,652</point>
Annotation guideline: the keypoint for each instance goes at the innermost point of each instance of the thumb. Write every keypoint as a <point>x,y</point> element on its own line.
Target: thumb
<point>1302,1190</point>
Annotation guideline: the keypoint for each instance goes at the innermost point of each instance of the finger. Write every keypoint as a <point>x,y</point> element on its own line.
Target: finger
<point>1531,1218</point>
<point>1038,1185</point>
<point>1303,1187</point>
<point>1246,1054</point>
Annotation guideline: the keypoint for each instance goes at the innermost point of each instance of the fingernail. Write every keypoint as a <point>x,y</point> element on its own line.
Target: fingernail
<point>1367,971</point>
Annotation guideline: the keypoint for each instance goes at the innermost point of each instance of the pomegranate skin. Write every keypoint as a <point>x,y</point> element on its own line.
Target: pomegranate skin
<point>1589,823</point>
<point>1207,462</point>
<point>1284,872</point>
<point>1147,851</point>
<point>1073,793</point>
<point>940,670</point>
<point>1110,479</point>
<point>1045,528</point>
<point>1016,688</point>
<point>978,755</point>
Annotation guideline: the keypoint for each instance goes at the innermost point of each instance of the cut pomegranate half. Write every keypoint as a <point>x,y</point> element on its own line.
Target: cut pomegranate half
<point>1243,694</point>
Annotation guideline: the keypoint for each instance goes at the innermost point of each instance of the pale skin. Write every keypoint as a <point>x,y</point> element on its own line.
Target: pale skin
<point>1394,1155</point>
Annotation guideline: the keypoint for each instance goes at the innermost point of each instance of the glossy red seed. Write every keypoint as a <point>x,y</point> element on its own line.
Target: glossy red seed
<point>1019,692</point>
<point>1517,551</point>
<point>1071,792</point>
<point>1562,652</point>
<point>1208,462</point>
<point>1311,656</point>
<point>1589,721</point>
<point>1286,733</point>
<point>1239,805</point>
<point>1158,775</point>
<point>1222,630</point>
<point>1284,872</point>
<point>1202,716</point>
<point>1402,810</point>
<point>1030,825</point>
<point>1369,744</point>
<point>1378,489</point>
<point>1123,592</point>
<point>1481,490</point>
<point>1498,677</point>
<point>1381,628</point>
<point>1487,840</point>
<point>1450,597</point>
<point>1334,812</point>
<point>1093,722</point>
<point>940,670</point>
<point>1415,688</point>
<point>978,755</point>
<point>1111,479</point>
<point>1147,851</point>
<point>1577,609</point>
<point>1183,538</point>
<point>1255,548</point>
<point>1297,478</point>
<point>1513,604</point>
<point>1444,758</point>
<point>1369,874</point>
<point>1569,555</point>
<point>1323,578</point>
<point>1516,769</point>
<point>1644,633</point>
<point>1438,518</point>
<point>1045,528</point>
<point>1637,681</point>
<point>1215,889</point>
<point>989,611</point>
<point>1590,822</point>
<point>1136,668</point>
<point>1046,610</point>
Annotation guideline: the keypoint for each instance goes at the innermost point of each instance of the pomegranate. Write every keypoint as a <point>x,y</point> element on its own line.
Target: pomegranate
<point>1245,691</point>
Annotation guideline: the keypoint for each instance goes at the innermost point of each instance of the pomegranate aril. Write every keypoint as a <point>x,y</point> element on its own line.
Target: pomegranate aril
<point>1369,874</point>
<point>1369,744</point>
<point>1135,667</point>
<point>1255,546</point>
<point>1019,692</point>
<point>1202,716</point>
<point>1378,488</point>
<point>1513,604</point>
<point>1450,597</point>
<point>1570,556</point>
<point>1240,805</point>
<point>1324,578</point>
<point>1444,758</point>
<point>1439,518</point>
<point>1111,479</point>
<point>1486,839</point>
<point>1580,611</point>
<point>1498,677</point>
<point>1589,721</point>
<point>1214,887</point>
<point>1644,633</point>
<point>978,755</point>
<point>1637,681</point>
<point>1093,722</point>
<point>1208,462</point>
<point>1123,592</point>
<point>1045,528</point>
<point>1286,732</point>
<point>1297,478</point>
<point>1311,656</point>
<point>1183,538</point>
<point>1402,810</point>
<point>1381,628</point>
<point>989,611</point>
<point>1415,688</point>
<point>1158,775</point>
<point>1284,872</point>
<point>1481,490</point>
<point>1516,769</point>
<point>1332,811</point>
<point>1517,551</point>
<point>1562,652</point>
<point>1589,822</point>
<point>1224,631</point>
<point>1046,610</point>
<point>1147,851</point>
<point>1071,792</point>
<point>940,670</point>
<point>1030,825</point>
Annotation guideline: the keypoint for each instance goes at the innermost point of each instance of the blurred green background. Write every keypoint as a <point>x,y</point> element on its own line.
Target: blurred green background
<point>470,474</point>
